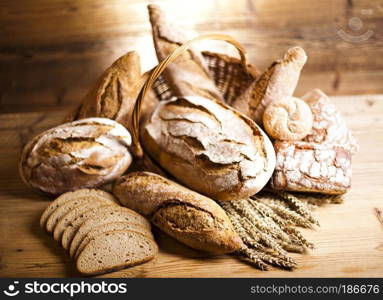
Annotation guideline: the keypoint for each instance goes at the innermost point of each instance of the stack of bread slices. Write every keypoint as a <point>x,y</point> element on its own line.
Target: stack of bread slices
<point>98,233</point>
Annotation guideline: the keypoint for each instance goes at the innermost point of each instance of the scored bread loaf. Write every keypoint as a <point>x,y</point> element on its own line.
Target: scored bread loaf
<point>69,196</point>
<point>115,250</point>
<point>101,228</point>
<point>79,219</point>
<point>115,93</point>
<point>189,217</point>
<point>69,206</point>
<point>123,215</point>
<point>81,154</point>
<point>278,81</point>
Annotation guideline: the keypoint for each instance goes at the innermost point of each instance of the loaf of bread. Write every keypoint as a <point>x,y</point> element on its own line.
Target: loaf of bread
<point>209,147</point>
<point>189,217</point>
<point>115,250</point>
<point>329,127</point>
<point>311,167</point>
<point>288,119</point>
<point>81,154</point>
<point>93,215</point>
<point>187,75</point>
<point>115,93</point>
<point>278,81</point>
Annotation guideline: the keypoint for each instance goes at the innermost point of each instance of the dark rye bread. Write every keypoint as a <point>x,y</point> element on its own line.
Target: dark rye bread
<point>75,224</point>
<point>69,206</point>
<point>66,219</point>
<point>115,250</point>
<point>115,226</point>
<point>68,196</point>
<point>103,219</point>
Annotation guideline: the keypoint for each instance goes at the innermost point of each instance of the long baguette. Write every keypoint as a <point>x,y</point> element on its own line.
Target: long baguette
<point>189,217</point>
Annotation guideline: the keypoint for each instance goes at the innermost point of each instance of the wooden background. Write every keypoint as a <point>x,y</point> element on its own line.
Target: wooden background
<point>51,51</point>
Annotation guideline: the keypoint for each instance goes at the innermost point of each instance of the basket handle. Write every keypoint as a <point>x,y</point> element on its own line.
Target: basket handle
<point>156,72</point>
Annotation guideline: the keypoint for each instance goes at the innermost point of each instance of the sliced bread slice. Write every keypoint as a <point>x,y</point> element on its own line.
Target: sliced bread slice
<point>123,215</point>
<point>70,216</point>
<point>115,250</point>
<point>68,197</point>
<point>68,206</point>
<point>74,225</point>
<point>115,226</point>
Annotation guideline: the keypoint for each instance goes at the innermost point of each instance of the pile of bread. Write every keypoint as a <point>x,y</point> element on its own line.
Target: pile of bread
<point>213,148</point>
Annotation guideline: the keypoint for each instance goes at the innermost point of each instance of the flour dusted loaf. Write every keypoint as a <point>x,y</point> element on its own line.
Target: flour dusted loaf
<point>329,127</point>
<point>115,250</point>
<point>209,147</point>
<point>81,154</point>
<point>311,167</point>
<point>278,81</point>
<point>189,217</point>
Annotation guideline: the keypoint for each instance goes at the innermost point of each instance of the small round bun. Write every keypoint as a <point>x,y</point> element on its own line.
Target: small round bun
<point>288,119</point>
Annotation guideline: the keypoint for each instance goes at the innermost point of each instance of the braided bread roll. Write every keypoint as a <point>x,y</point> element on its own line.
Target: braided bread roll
<point>288,119</point>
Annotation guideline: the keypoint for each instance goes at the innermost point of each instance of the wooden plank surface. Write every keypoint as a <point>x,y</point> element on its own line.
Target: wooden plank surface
<point>349,242</point>
<point>51,51</point>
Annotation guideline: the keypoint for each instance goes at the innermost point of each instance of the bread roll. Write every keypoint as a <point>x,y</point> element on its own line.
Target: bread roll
<point>288,119</point>
<point>82,154</point>
<point>209,147</point>
<point>189,217</point>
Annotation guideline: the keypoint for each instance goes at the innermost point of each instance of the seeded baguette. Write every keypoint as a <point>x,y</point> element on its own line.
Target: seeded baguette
<point>75,224</point>
<point>114,251</point>
<point>123,215</point>
<point>62,210</point>
<point>189,217</point>
<point>102,228</point>
<point>69,196</point>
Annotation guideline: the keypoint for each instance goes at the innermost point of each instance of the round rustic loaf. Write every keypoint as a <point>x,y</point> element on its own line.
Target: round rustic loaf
<point>209,147</point>
<point>81,154</point>
<point>288,119</point>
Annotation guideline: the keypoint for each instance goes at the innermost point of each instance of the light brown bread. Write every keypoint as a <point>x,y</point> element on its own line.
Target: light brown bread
<point>115,250</point>
<point>329,126</point>
<point>188,74</point>
<point>115,93</point>
<point>82,154</point>
<point>311,167</point>
<point>69,196</point>
<point>189,217</point>
<point>74,225</point>
<point>102,228</point>
<point>278,81</point>
<point>209,147</point>
<point>70,216</point>
<point>123,215</point>
<point>288,119</point>
<point>71,205</point>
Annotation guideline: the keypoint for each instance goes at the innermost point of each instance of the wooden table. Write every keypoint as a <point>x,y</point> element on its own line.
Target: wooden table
<point>349,242</point>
